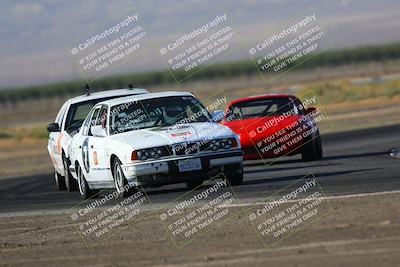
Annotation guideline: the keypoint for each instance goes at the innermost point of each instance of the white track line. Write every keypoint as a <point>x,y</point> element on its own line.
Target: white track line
<point>322,198</point>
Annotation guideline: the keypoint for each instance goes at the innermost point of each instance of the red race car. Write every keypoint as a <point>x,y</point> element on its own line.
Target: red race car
<point>275,125</point>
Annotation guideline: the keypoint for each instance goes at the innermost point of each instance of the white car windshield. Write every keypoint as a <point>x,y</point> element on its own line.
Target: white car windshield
<point>158,112</point>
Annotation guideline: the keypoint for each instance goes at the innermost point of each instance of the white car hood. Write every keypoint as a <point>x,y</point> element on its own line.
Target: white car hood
<point>160,136</point>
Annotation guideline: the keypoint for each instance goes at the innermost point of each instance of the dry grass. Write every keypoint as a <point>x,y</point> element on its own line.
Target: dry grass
<point>23,157</point>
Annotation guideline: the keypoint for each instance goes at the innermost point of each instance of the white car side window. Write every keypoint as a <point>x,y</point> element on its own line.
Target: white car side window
<point>86,123</point>
<point>60,115</point>
<point>90,120</point>
<point>102,119</point>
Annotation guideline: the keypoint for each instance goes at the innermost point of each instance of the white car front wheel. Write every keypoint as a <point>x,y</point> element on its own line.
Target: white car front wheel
<point>234,174</point>
<point>84,189</point>
<point>121,184</point>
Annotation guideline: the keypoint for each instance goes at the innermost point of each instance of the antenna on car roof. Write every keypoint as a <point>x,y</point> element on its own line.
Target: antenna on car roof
<point>87,88</point>
<point>130,86</point>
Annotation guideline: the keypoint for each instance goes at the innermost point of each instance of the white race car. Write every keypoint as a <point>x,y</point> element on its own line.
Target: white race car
<point>152,140</point>
<point>68,121</point>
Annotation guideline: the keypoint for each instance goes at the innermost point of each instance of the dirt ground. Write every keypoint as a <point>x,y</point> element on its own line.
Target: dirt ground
<point>360,231</point>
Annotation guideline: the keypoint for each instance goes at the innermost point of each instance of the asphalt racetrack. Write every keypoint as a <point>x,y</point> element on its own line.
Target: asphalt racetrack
<point>354,162</point>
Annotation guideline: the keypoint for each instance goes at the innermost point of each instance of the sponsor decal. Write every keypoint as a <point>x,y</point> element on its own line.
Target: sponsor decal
<point>180,134</point>
<point>59,143</point>
<point>95,159</point>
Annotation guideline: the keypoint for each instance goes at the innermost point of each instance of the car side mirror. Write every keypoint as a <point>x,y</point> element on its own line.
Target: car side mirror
<point>98,131</point>
<point>310,110</point>
<point>217,116</point>
<point>53,127</point>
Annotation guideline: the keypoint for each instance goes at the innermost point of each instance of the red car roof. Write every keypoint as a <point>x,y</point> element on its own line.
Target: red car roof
<point>257,97</point>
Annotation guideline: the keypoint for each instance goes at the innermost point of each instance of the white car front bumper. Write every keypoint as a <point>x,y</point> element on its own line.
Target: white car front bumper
<point>157,170</point>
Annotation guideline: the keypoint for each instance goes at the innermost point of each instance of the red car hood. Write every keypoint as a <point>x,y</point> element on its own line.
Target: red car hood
<point>253,130</point>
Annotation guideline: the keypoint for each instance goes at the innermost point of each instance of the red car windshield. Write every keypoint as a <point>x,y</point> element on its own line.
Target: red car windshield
<point>262,108</point>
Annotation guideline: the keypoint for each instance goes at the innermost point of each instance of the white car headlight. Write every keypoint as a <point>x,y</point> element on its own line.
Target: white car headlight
<point>141,155</point>
<point>225,143</point>
<point>214,145</point>
<point>149,153</point>
<point>156,153</point>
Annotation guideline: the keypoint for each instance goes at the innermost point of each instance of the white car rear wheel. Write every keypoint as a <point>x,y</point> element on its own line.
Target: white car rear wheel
<point>60,182</point>
<point>69,182</point>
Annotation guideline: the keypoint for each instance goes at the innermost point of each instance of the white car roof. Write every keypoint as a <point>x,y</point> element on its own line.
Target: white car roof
<point>108,93</point>
<point>118,101</point>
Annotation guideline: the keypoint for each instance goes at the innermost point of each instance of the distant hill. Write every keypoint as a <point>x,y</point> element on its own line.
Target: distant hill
<point>224,70</point>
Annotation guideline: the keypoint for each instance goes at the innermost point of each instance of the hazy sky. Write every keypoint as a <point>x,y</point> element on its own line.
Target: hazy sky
<point>36,35</point>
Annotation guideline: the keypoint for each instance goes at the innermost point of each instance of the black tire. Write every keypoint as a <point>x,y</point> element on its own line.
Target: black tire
<point>60,182</point>
<point>312,150</point>
<point>84,188</point>
<point>70,183</point>
<point>234,175</point>
<point>121,183</point>
<point>193,184</point>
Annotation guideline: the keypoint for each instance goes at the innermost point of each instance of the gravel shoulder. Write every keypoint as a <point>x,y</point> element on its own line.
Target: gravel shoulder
<point>360,231</point>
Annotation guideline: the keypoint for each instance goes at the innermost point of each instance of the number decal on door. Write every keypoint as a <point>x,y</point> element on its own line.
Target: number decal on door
<point>85,154</point>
